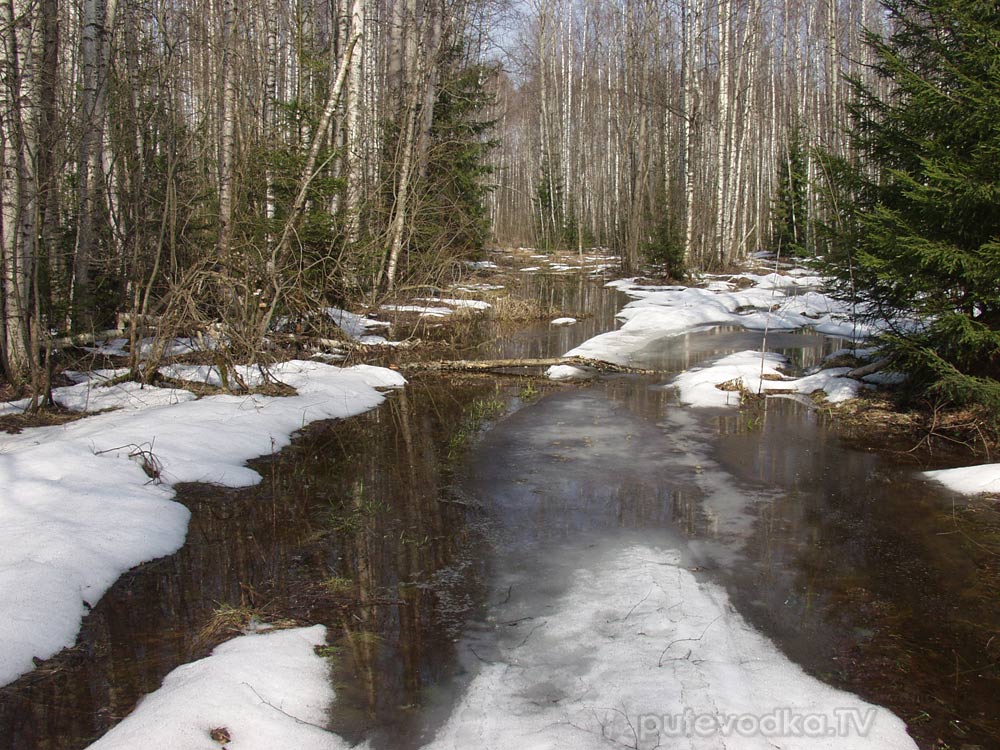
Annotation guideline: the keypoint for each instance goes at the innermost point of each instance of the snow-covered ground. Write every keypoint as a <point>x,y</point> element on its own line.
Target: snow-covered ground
<point>79,507</point>
<point>639,653</point>
<point>94,393</point>
<point>773,302</point>
<point>756,302</point>
<point>358,327</point>
<point>255,692</point>
<point>758,373</point>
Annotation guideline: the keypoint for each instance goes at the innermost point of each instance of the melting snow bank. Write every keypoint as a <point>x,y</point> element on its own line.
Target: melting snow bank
<point>358,327</point>
<point>568,372</point>
<point>441,307</point>
<point>262,691</point>
<point>776,302</point>
<point>79,508</point>
<point>757,373</point>
<point>969,480</point>
<point>640,654</point>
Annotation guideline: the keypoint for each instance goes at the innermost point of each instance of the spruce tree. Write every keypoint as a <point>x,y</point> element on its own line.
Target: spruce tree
<point>921,233</point>
<point>789,211</point>
<point>452,206</point>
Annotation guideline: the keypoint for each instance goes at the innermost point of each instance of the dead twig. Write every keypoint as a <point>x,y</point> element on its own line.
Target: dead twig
<point>151,465</point>
<point>684,640</point>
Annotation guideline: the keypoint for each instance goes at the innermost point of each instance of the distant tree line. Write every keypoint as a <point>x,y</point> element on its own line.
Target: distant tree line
<point>684,131</point>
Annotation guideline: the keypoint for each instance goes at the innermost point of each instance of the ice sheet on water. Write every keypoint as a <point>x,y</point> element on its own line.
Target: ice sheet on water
<point>635,641</point>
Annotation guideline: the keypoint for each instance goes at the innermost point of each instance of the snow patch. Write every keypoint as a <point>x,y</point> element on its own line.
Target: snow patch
<point>472,304</point>
<point>567,372</point>
<point>96,393</point>
<point>470,288</point>
<point>776,302</point>
<point>969,480</point>
<point>111,348</point>
<point>431,312</point>
<point>357,327</point>
<point>697,387</point>
<point>757,373</point>
<point>563,322</point>
<point>266,691</point>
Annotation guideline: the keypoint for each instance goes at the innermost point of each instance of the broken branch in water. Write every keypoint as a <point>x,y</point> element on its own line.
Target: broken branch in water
<point>486,365</point>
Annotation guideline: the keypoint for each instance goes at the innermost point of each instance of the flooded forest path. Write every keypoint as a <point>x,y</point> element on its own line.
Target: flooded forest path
<point>434,534</point>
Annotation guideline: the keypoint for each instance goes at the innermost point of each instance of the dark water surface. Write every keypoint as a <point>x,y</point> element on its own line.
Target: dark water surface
<point>402,529</point>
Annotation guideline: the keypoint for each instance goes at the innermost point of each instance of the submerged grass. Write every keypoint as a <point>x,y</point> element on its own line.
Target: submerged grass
<point>352,519</point>
<point>480,413</point>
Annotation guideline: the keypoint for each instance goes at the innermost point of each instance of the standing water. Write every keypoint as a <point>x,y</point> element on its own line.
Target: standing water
<point>435,535</point>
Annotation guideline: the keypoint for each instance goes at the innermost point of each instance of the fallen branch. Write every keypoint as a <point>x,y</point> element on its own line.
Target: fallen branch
<point>84,339</point>
<point>486,365</point>
<point>872,367</point>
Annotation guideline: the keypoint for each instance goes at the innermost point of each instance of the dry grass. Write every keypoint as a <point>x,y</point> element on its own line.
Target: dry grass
<point>338,586</point>
<point>927,429</point>
<point>737,385</point>
<point>14,423</point>
<point>228,621</point>
<point>516,309</point>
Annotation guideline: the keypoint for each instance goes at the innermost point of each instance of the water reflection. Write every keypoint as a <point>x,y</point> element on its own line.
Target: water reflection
<point>405,529</point>
<point>858,569</point>
<point>356,526</point>
<point>841,555</point>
